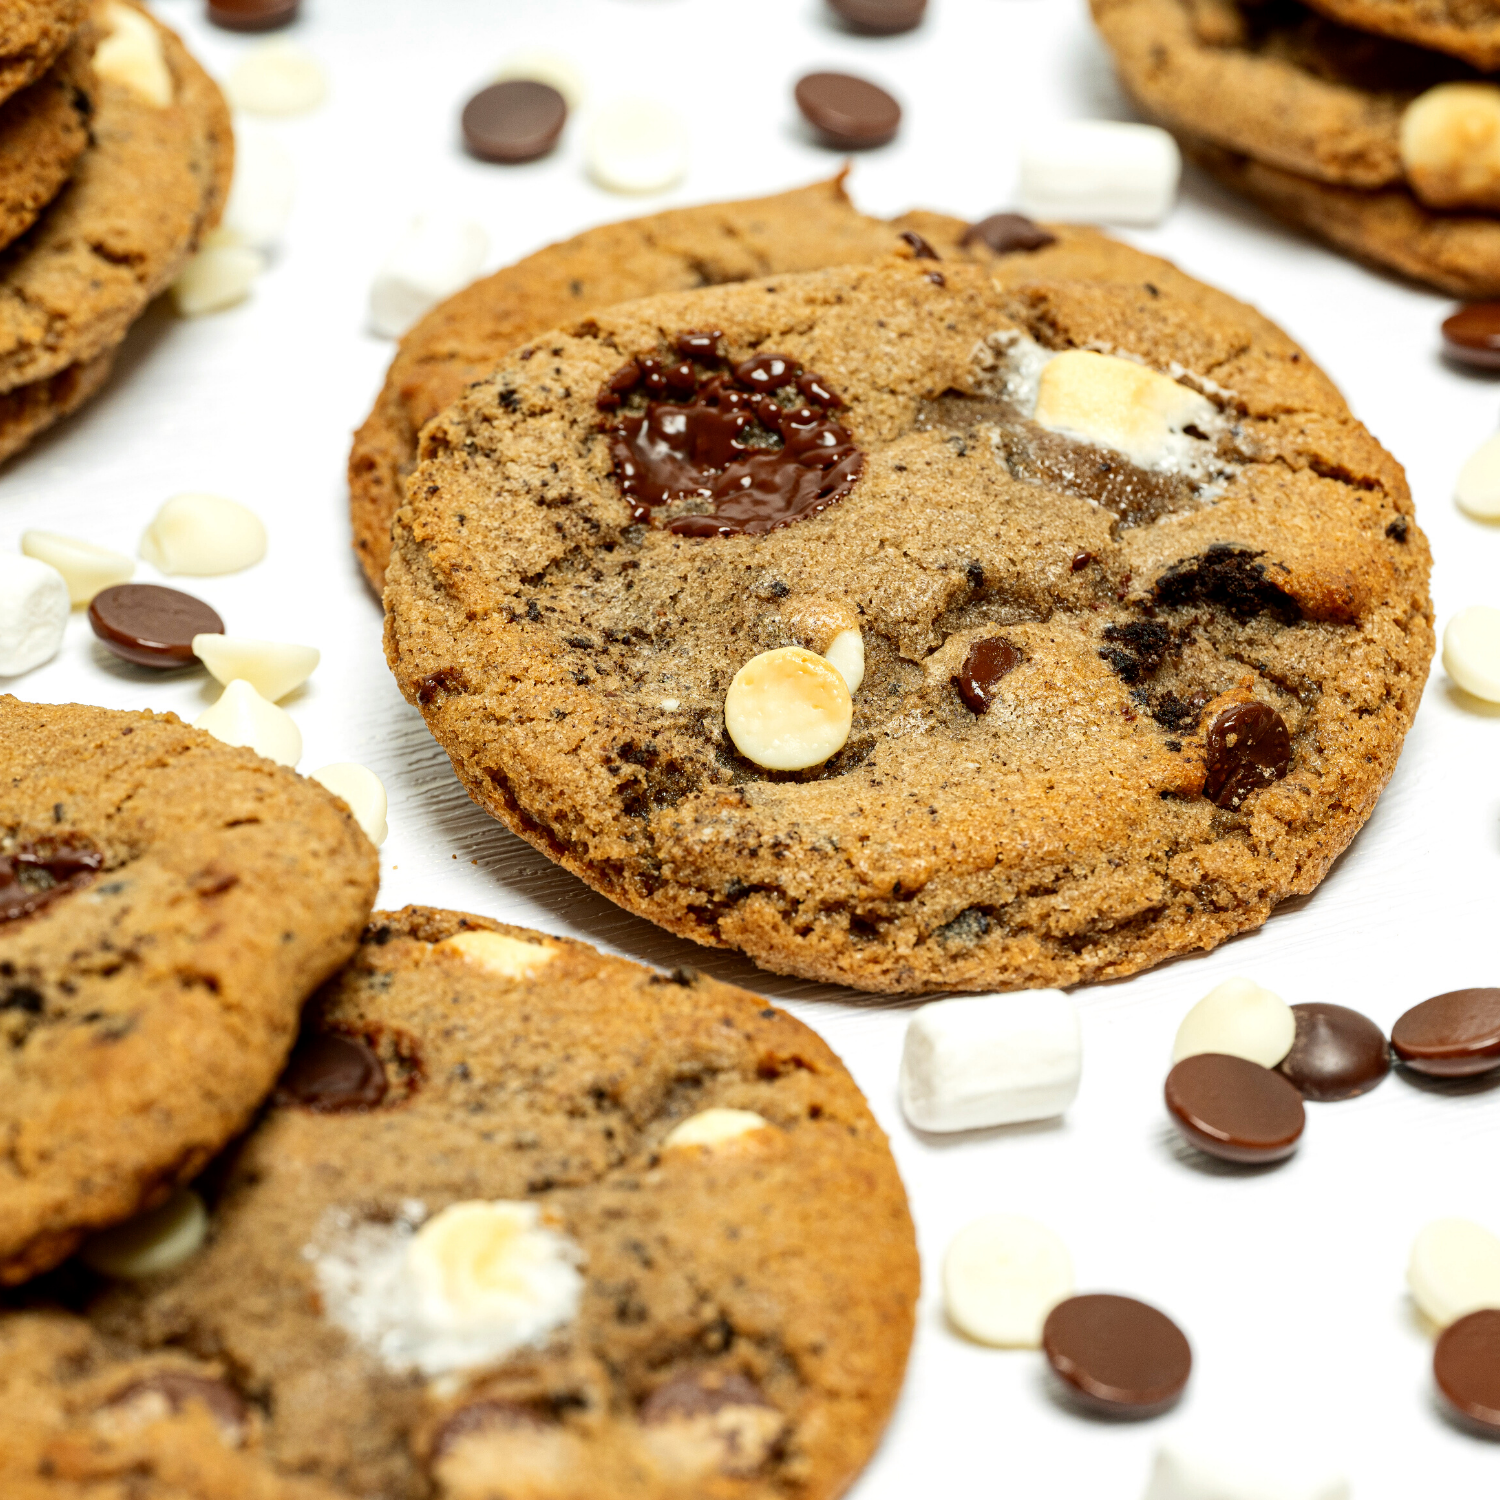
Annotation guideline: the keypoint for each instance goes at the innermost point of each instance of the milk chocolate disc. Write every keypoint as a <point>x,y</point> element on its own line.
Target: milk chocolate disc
<point>850,113</point>
<point>1472,335</point>
<point>1466,1366</point>
<point>515,121</point>
<point>880,17</point>
<point>252,15</point>
<point>1119,1357</point>
<point>1336,1053</point>
<point>1235,1109</point>
<point>150,625</point>
<point>1455,1035</point>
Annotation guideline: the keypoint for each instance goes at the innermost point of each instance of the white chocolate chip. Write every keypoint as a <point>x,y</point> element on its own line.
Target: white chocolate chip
<point>85,567</point>
<point>1241,1019</point>
<point>542,66</point>
<point>1002,1275</point>
<point>713,1127</point>
<point>1450,145</point>
<point>131,55</point>
<point>363,792</point>
<point>151,1243</point>
<point>434,258</point>
<point>203,535</point>
<point>846,654</point>
<point>263,190</point>
<point>219,276</point>
<point>636,146</point>
<point>243,717</point>
<point>788,709</point>
<point>272,668</point>
<point>1100,171</point>
<point>671,704</point>
<point>277,78</point>
<point>1478,487</point>
<point>1454,1270</point>
<point>1116,403</point>
<point>1471,651</point>
<point>1186,1474</point>
<point>34,608</point>
<point>509,957</point>
<point>984,1060</point>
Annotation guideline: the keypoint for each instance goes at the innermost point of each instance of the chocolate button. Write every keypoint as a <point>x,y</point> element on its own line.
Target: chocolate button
<point>1472,335</point>
<point>1235,1109</point>
<point>1118,1356</point>
<point>880,17</point>
<point>1004,233</point>
<point>1336,1053</point>
<point>178,1387</point>
<point>518,120</point>
<point>150,625</point>
<point>1466,1366</point>
<point>1451,1036</point>
<point>329,1073</point>
<point>1248,748</point>
<point>252,15</point>
<point>986,663</point>
<point>848,112</point>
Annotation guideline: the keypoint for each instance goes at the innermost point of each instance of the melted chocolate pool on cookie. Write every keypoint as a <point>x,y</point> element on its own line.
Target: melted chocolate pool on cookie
<point>756,439</point>
<point>30,878</point>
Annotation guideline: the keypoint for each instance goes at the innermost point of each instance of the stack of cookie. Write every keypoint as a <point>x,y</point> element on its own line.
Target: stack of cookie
<point>115,158</point>
<point>1383,140</point>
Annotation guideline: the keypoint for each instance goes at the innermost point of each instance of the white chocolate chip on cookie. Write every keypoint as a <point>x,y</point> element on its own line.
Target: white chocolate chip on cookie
<point>1454,1270</point>
<point>1002,1275</point>
<point>831,628</point>
<point>243,717</point>
<point>364,793</point>
<point>203,535</point>
<point>85,567</point>
<point>150,1243</point>
<point>1241,1019</point>
<point>1450,145</point>
<point>272,668</point>
<point>713,1127</point>
<point>1471,651</point>
<point>507,956</point>
<point>131,55</point>
<point>788,709</point>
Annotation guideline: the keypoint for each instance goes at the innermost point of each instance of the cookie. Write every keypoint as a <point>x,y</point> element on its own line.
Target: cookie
<point>1468,29</point>
<point>152,182</point>
<point>43,131</point>
<point>167,902</point>
<point>466,337</point>
<point>712,1266</point>
<point>1045,778</point>
<point>33,34</point>
<point>31,409</point>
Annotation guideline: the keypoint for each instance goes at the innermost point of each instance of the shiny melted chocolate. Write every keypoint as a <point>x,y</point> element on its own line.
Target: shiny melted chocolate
<point>755,440</point>
<point>329,1073</point>
<point>986,663</point>
<point>31,878</point>
<point>1248,748</point>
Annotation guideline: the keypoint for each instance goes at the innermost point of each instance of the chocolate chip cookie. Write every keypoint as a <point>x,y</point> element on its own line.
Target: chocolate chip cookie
<point>1468,29</point>
<point>32,409</point>
<point>33,34</point>
<point>167,903</point>
<point>1153,501</point>
<point>520,1219</point>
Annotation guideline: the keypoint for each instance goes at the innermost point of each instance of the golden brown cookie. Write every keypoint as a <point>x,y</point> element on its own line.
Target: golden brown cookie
<point>1469,29</point>
<point>31,409</point>
<point>33,34</point>
<point>521,1220</point>
<point>167,903</point>
<point>1084,815</point>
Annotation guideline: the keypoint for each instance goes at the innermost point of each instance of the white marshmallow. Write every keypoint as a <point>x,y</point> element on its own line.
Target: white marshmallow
<point>131,55</point>
<point>636,146</point>
<point>1182,1474</point>
<point>788,709</point>
<point>846,654</point>
<point>435,257</point>
<point>277,78</point>
<point>1471,651</point>
<point>203,535</point>
<point>1100,170</point>
<point>150,1243</point>
<point>509,957</point>
<point>272,668</point>
<point>364,793</point>
<point>1454,1270</point>
<point>1478,487</point>
<point>218,277</point>
<point>86,568</point>
<point>713,1127</point>
<point>1240,1018</point>
<point>243,717</point>
<point>263,190</point>
<point>542,66</point>
<point>1002,1275</point>
<point>991,1060</point>
<point>34,607</point>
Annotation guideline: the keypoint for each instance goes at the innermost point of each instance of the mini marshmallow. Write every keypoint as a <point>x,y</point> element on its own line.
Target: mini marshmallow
<point>1450,145</point>
<point>362,790</point>
<point>434,258</point>
<point>713,1127</point>
<point>218,277</point>
<point>1471,651</point>
<point>509,957</point>
<point>982,1060</point>
<point>636,146</point>
<point>272,668</point>
<point>1181,1474</point>
<point>150,1243</point>
<point>788,709</point>
<point>1239,1018</point>
<point>86,568</point>
<point>1116,403</point>
<point>1100,170</point>
<point>203,535</point>
<point>542,66</point>
<point>263,190</point>
<point>277,78</point>
<point>131,55</point>
<point>1454,1270</point>
<point>34,606</point>
<point>1478,487</point>
<point>1002,1275</point>
<point>243,717</point>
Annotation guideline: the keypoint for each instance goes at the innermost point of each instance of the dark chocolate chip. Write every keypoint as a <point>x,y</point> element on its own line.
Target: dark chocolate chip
<point>329,1073</point>
<point>920,249</point>
<point>880,17</point>
<point>1466,1366</point>
<point>986,662</point>
<point>178,1387</point>
<point>849,113</point>
<point>1472,335</point>
<point>1230,577</point>
<point>1398,528</point>
<point>150,625</point>
<point>1118,1356</point>
<point>252,15</point>
<point>32,877</point>
<point>1454,1035</point>
<point>1235,1109</point>
<point>1004,233</point>
<point>1336,1053</point>
<point>484,1417</point>
<point>518,120</point>
<point>1248,748</point>
<point>725,1408</point>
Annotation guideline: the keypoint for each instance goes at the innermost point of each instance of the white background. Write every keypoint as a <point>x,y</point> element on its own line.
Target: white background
<point>1289,1282</point>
